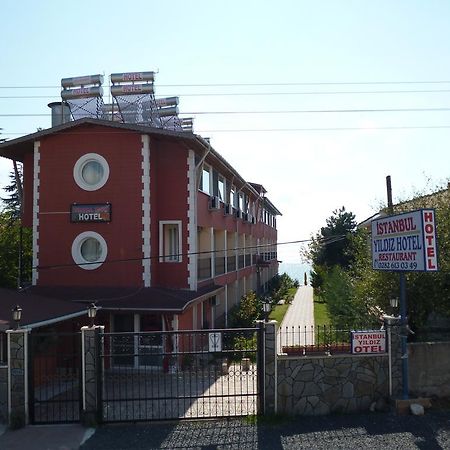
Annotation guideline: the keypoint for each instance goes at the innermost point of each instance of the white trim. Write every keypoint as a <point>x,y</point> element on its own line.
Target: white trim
<point>76,250</point>
<point>78,168</point>
<point>162,255</point>
<point>191,219</point>
<point>146,231</point>
<point>36,183</point>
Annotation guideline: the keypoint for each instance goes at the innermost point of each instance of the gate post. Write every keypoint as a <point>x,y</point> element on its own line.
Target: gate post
<point>269,369</point>
<point>18,411</point>
<point>91,370</point>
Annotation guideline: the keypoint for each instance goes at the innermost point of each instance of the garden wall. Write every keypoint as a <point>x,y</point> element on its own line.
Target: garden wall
<point>429,369</point>
<point>332,384</point>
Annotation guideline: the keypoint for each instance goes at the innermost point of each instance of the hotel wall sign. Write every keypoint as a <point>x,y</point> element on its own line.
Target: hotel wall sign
<point>100,212</point>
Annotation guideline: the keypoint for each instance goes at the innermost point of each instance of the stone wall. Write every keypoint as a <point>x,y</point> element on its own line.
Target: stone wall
<point>3,394</point>
<point>331,384</point>
<point>429,369</point>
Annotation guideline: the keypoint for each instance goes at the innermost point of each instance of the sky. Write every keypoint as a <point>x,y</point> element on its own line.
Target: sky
<point>316,100</point>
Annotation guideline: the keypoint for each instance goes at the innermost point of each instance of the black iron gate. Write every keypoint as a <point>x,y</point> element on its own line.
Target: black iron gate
<point>54,377</point>
<point>180,374</point>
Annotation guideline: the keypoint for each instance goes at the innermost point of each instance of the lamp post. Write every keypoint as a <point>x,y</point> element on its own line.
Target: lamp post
<point>266,309</point>
<point>92,312</point>
<point>17,315</point>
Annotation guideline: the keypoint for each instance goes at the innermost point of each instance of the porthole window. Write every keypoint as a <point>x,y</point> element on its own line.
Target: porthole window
<point>89,250</point>
<point>91,172</point>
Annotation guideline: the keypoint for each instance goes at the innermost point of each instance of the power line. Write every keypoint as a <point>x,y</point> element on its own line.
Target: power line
<point>325,83</point>
<point>273,130</point>
<point>324,241</point>
<point>226,94</point>
<point>297,111</point>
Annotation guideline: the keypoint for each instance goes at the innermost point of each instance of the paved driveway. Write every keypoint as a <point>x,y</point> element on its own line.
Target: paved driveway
<point>298,323</point>
<point>350,432</point>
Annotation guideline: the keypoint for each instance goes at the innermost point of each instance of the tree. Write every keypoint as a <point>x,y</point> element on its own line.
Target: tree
<point>426,293</point>
<point>330,246</point>
<point>15,242</point>
<point>12,203</point>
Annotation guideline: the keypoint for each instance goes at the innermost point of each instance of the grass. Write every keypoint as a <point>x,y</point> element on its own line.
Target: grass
<point>278,313</point>
<point>321,314</point>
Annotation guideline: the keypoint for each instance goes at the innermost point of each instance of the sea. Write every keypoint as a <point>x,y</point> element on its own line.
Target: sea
<point>295,270</point>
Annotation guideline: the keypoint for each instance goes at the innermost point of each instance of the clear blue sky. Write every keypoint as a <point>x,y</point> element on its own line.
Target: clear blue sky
<point>307,173</point>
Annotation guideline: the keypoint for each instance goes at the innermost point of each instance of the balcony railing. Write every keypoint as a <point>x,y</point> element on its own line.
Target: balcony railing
<point>241,261</point>
<point>204,268</point>
<point>219,265</point>
<point>248,260</point>
<point>231,263</point>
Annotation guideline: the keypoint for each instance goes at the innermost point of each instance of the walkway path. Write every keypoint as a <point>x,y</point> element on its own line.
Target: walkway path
<point>298,323</point>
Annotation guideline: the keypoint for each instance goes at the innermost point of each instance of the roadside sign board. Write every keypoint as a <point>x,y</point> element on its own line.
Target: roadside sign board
<point>368,342</point>
<point>405,242</point>
<point>215,342</point>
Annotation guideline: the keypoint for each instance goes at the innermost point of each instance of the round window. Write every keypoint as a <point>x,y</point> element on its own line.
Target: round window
<point>91,172</point>
<point>89,250</point>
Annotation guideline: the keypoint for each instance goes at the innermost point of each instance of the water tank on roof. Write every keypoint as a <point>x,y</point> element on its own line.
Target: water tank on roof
<point>82,81</point>
<point>128,77</point>
<point>167,101</point>
<point>82,92</point>
<point>166,112</point>
<point>131,89</point>
<point>60,113</point>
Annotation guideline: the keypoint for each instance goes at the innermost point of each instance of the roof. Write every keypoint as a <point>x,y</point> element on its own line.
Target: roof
<point>36,309</point>
<point>16,149</point>
<point>158,300</point>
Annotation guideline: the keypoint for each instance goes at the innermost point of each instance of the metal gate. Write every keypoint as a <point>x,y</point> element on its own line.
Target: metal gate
<point>180,374</point>
<point>54,377</point>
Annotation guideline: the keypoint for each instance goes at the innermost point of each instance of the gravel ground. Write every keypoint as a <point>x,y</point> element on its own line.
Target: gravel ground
<point>363,431</point>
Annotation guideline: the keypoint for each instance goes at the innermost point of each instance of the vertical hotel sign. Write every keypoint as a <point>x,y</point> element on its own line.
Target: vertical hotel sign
<point>405,242</point>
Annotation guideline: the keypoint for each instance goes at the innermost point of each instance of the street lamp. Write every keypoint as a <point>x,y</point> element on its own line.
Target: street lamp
<point>394,302</point>
<point>17,315</point>
<point>266,309</point>
<point>92,312</point>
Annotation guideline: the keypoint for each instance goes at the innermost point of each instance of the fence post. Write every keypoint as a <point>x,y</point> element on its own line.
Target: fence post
<point>18,411</point>
<point>270,367</point>
<point>91,368</point>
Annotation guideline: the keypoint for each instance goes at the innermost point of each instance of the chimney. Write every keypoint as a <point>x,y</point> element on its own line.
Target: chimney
<point>60,113</point>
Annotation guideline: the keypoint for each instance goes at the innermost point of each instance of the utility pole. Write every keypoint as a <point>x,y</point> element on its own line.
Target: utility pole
<point>403,306</point>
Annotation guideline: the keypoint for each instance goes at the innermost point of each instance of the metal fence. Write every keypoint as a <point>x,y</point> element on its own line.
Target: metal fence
<point>55,377</point>
<point>182,374</point>
<point>310,340</point>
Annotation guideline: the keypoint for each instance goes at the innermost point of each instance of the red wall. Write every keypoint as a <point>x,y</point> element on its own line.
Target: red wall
<point>58,190</point>
<point>169,201</point>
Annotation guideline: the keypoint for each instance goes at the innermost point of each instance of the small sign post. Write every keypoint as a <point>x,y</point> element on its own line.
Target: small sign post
<point>215,342</point>
<point>368,342</point>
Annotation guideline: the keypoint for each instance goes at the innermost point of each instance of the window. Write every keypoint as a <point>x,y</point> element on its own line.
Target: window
<point>205,184</point>
<point>91,172</point>
<point>241,202</point>
<point>89,250</point>
<point>221,188</point>
<point>170,241</point>
<point>233,196</point>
